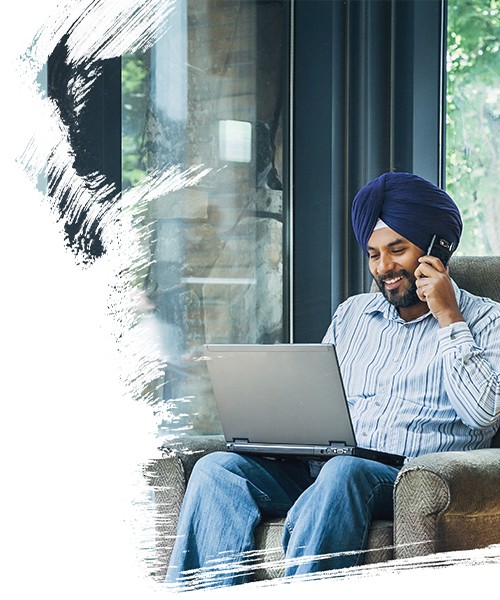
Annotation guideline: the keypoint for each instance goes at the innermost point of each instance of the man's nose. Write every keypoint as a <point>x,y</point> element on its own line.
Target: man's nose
<point>385,264</point>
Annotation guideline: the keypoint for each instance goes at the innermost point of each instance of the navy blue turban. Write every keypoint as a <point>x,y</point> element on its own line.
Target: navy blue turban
<point>413,207</point>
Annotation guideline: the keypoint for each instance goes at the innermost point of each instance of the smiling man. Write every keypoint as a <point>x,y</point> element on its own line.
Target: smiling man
<point>420,363</point>
<point>414,209</point>
<point>413,291</point>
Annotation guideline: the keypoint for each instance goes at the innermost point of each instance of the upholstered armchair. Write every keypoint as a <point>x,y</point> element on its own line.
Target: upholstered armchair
<point>442,501</point>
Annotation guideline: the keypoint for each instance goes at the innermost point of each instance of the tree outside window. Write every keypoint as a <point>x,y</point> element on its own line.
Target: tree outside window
<point>473,121</point>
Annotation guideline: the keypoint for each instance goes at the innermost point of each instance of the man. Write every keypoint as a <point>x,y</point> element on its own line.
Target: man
<point>421,364</point>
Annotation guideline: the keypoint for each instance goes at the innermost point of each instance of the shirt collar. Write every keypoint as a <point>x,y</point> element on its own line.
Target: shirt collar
<point>387,310</point>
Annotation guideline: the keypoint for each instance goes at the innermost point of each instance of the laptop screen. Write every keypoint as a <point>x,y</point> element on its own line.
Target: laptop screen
<point>280,394</point>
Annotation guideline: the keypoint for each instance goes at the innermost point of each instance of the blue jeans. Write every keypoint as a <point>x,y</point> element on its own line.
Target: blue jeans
<point>327,518</point>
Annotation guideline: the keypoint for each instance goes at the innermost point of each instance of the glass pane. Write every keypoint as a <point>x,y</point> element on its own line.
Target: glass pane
<point>473,117</point>
<point>211,93</point>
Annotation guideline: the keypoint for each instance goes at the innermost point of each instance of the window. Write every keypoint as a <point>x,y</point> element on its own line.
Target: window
<point>473,117</point>
<point>212,92</point>
<point>365,80</point>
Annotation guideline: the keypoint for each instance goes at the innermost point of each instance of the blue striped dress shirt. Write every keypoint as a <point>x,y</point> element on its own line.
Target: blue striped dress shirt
<point>413,387</point>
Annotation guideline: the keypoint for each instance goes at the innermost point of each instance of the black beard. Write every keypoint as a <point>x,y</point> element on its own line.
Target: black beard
<point>404,300</point>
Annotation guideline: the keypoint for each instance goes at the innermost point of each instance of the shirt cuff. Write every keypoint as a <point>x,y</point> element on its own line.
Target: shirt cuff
<point>457,337</point>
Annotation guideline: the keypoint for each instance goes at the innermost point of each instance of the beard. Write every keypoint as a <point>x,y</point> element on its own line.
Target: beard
<point>399,299</point>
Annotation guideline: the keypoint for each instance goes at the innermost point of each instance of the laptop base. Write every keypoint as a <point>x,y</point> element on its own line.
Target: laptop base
<point>314,451</point>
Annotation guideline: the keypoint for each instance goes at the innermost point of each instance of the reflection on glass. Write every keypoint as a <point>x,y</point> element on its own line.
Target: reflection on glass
<point>235,141</point>
<point>210,92</point>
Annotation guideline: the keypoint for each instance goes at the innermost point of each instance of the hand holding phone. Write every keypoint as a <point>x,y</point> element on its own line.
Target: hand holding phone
<point>436,289</point>
<point>441,248</point>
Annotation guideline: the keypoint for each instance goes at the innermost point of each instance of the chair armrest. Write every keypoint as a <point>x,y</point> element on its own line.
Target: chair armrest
<point>189,449</point>
<point>447,501</point>
<point>167,475</point>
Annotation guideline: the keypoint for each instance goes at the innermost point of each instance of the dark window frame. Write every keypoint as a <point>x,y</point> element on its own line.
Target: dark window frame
<point>377,104</point>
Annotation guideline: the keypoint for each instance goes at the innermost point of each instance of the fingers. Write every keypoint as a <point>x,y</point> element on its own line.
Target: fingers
<point>434,287</point>
<point>422,285</point>
<point>433,283</point>
<point>428,266</point>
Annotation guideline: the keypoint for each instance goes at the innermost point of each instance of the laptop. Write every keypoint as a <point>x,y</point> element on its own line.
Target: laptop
<point>284,400</point>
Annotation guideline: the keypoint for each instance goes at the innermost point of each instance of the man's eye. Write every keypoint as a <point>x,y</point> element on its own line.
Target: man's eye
<point>398,250</point>
<point>373,256</point>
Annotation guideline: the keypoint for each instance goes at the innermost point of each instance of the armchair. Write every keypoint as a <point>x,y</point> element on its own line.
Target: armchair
<point>442,501</point>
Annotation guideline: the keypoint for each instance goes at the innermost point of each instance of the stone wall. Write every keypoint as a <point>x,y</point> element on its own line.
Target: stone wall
<point>217,248</point>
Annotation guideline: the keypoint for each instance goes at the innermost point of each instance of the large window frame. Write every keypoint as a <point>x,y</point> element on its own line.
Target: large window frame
<point>374,101</point>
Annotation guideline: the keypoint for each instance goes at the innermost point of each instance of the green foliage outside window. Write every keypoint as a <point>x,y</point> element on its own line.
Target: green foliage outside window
<point>135,102</point>
<point>473,121</point>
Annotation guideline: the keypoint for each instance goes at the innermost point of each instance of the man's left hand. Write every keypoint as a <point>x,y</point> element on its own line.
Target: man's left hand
<point>435,288</point>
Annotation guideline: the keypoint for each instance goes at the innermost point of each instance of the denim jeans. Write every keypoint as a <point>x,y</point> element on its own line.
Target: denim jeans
<point>327,518</point>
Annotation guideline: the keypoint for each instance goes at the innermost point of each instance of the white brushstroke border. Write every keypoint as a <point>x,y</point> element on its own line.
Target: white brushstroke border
<point>70,472</point>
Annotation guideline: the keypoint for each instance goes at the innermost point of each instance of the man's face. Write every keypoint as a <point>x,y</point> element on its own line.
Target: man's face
<point>392,261</point>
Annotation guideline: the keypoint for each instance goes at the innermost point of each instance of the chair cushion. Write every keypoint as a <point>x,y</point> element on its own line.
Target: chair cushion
<point>271,561</point>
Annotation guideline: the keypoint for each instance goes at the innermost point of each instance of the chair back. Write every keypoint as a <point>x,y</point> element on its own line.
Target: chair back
<point>479,275</point>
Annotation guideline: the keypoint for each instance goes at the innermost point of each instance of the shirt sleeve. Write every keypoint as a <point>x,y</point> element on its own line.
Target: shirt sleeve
<point>471,367</point>
<point>330,336</point>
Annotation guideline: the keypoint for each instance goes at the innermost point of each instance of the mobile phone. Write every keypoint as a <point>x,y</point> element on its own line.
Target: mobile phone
<point>441,248</point>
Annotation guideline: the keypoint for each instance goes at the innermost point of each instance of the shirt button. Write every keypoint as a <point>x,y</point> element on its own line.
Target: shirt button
<point>377,403</point>
<point>396,359</point>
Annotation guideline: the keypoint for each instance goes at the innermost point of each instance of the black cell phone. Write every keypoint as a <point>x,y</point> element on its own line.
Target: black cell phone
<point>441,248</point>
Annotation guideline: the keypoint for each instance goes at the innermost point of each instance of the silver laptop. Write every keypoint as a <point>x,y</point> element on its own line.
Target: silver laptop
<point>284,399</point>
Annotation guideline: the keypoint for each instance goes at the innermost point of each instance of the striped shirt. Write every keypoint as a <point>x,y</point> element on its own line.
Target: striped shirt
<point>413,387</point>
